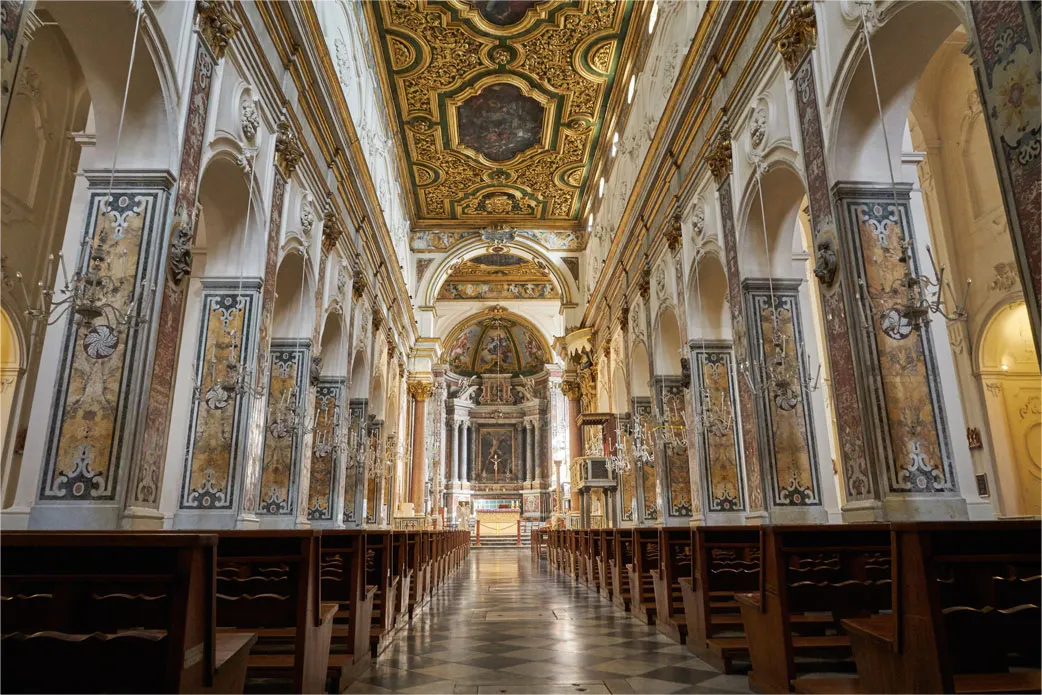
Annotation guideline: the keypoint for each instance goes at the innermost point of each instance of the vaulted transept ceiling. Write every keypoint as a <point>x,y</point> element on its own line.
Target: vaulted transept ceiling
<point>501,105</point>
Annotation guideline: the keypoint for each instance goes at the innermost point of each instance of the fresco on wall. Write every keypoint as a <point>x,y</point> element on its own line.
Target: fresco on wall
<point>558,240</point>
<point>498,276</point>
<point>217,416</point>
<point>494,344</point>
<point>791,455</point>
<point>325,458</point>
<point>500,122</point>
<point>496,463</point>
<point>290,361</point>
<point>424,240</point>
<point>83,449</point>
<point>719,437</point>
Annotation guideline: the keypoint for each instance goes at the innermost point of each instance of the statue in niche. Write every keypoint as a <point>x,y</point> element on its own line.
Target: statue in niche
<point>527,389</point>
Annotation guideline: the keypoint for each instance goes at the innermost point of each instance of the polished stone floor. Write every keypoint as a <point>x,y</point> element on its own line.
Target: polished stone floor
<point>503,624</point>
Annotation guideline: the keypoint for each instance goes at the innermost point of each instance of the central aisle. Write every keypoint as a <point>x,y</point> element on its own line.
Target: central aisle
<point>502,625</point>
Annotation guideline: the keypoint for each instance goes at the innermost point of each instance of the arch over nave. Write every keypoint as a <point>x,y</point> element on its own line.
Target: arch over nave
<point>329,285</point>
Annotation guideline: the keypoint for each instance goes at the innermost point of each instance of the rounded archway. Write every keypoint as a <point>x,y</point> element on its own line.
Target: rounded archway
<point>1013,393</point>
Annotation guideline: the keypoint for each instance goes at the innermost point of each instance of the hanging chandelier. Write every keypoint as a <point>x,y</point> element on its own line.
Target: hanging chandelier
<point>93,293</point>
<point>919,295</point>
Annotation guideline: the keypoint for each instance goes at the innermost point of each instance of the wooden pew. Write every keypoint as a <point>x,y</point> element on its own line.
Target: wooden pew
<point>726,562</point>
<point>400,569</point>
<point>607,548</point>
<point>414,561</point>
<point>341,566</point>
<point>114,612</point>
<point>584,556</point>
<point>620,560</point>
<point>268,582</point>
<point>645,559</point>
<point>966,610</point>
<point>675,562</point>
<point>378,573</point>
<point>430,579</point>
<point>812,577</point>
<point>593,573</point>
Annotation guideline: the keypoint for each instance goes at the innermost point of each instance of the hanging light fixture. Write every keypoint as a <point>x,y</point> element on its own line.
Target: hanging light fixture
<point>922,295</point>
<point>92,293</point>
<point>716,419</point>
<point>783,379</point>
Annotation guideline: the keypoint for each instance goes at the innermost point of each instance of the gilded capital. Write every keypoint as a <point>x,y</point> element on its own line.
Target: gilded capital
<point>719,156</point>
<point>421,390</point>
<point>571,390</point>
<point>330,228</point>
<point>644,283</point>
<point>287,150</point>
<point>216,25</point>
<point>360,284</point>
<point>798,34</point>
<point>674,232</point>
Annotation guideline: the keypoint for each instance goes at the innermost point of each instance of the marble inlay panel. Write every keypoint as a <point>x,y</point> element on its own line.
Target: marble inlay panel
<point>98,362</point>
<point>287,387</point>
<point>325,457</point>
<point>787,428</point>
<point>718,438</point>
<point>227,332</point>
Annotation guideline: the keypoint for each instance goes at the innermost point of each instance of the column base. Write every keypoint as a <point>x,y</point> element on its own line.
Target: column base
<point>73,516</point>
<point>799,515</point>
<point>142,519</point>
<point>721,519</point>
<point>757,518</point>
<point>205,520</point>
<point>862,512</point>
<point>925,509</point>
<point>14,519</point>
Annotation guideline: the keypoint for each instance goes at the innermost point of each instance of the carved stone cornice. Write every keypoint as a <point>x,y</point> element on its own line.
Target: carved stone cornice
<point>421,390</point>
<point>216,25</point>
<point>287,149</point>
<point>719,156</point>
<point>378,322</point>
<point>798,34</point>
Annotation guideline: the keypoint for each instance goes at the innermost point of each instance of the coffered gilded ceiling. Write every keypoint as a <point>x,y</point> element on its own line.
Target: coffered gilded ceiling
<point>500,104</point>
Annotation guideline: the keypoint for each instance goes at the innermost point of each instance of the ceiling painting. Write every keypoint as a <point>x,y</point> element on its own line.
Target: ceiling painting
<point>495,342</point>
<point>551,240</point>
<point>500,103</point>
<point>495,276</point>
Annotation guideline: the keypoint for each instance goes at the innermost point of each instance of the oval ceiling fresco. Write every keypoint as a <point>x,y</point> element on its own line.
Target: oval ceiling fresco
<point>495,343</point>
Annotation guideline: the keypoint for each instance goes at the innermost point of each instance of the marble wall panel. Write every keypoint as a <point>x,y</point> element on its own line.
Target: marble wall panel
<point>213,455</point>
<point>719,453</point>
<point>101,362</point>
<point>287,385</point>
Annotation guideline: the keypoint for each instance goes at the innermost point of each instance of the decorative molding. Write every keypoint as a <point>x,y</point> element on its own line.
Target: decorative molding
<point>216,25</point>
<point>798,34</point>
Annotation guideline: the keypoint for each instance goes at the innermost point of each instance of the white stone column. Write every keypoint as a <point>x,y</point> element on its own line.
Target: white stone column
<point>464,457</point>
<point>454,473</point>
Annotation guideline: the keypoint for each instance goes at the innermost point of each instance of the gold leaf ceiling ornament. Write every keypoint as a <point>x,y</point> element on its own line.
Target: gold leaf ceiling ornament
<point>500,105</point>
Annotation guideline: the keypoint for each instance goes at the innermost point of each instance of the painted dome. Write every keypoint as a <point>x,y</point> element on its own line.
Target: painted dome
<point>494,343</point>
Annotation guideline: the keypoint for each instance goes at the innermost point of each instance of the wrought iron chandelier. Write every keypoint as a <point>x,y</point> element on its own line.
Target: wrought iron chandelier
<point>922,295</point>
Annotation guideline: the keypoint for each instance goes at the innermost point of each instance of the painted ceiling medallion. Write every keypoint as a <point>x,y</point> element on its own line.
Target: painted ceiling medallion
<point>500,103</point>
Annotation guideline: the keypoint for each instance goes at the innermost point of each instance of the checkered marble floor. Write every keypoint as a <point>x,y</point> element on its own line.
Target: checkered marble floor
<point>503,625</point>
